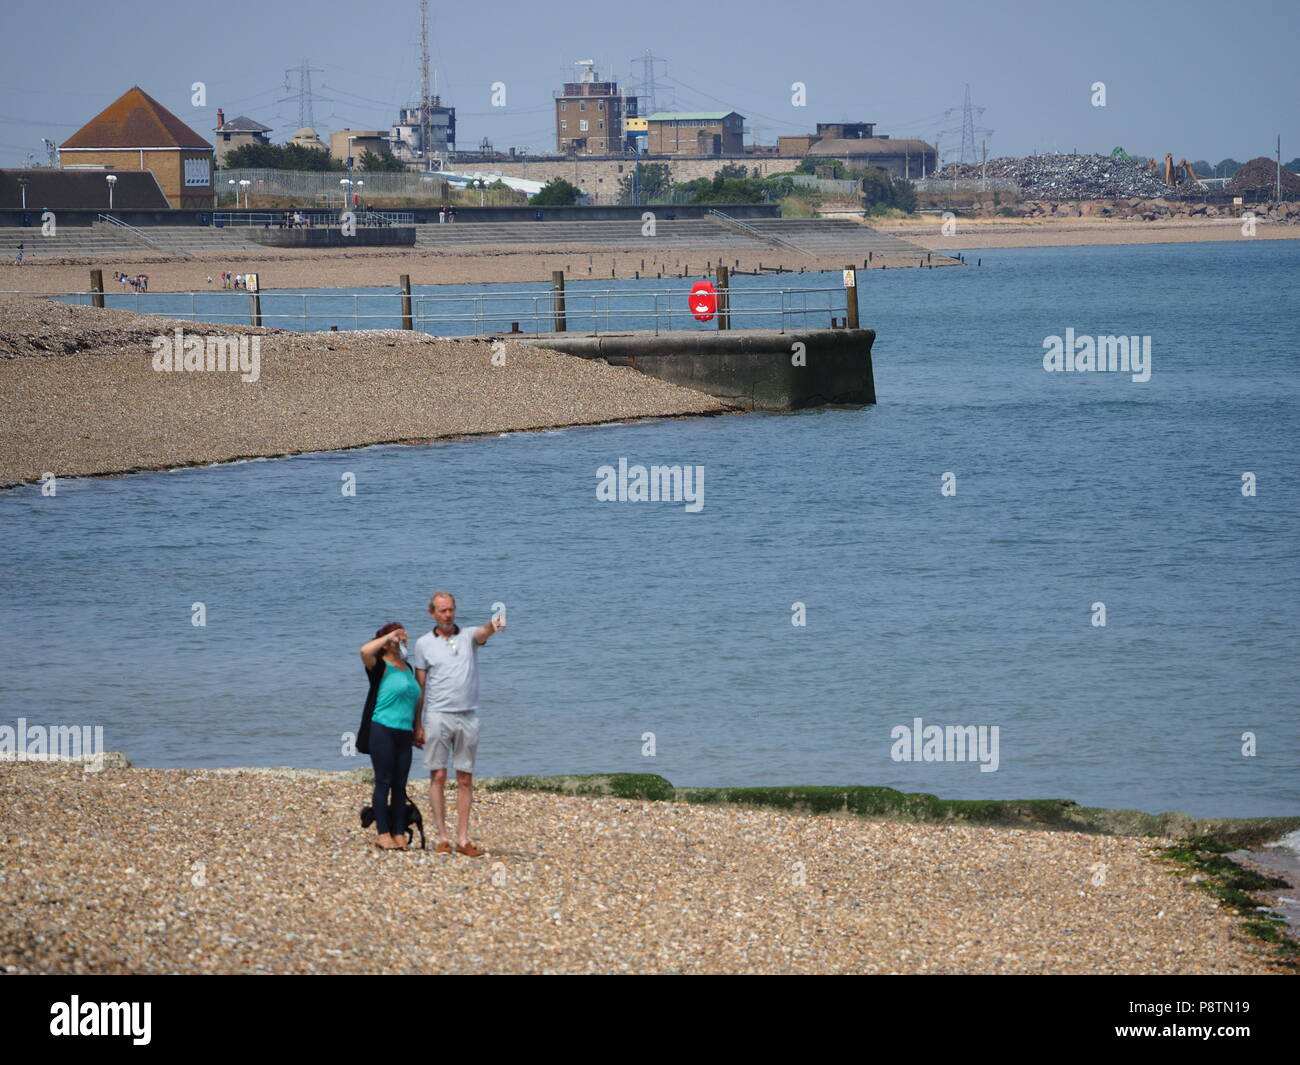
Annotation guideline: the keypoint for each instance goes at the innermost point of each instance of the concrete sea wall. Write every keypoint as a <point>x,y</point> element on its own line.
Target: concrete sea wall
<point>757,369</point>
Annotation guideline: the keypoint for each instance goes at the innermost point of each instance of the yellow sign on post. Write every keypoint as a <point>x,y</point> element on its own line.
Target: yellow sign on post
<point>250,282</point>
<point>850,278</point>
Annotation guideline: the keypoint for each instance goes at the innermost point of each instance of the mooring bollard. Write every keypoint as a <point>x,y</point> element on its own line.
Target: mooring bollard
<point>557,283</point>
<point>97,288</point>
<point>408,319</point>
<point>851,297</point>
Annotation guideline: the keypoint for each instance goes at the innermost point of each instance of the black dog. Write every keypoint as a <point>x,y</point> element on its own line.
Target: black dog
<point>413,818</point>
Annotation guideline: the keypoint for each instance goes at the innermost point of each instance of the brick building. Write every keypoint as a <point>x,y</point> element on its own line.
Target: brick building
<point>856,144</point>
<point>355,142</point>
<point>135,132</point>
<point>695,133</point>
<point>236,133</point>
<point>590,115</point>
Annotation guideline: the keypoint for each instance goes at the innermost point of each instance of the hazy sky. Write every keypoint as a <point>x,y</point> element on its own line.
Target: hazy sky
<point>1198,79</point>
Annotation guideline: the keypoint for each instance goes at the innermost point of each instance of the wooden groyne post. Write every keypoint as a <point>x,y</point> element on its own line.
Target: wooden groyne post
<point>97,288</point>
<point>557,283</point>
<point>851,296</point>
<point>724,297</point>
<point>408,319</point>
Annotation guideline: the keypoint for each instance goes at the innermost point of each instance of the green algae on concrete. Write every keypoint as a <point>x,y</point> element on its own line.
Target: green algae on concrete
<point>1233,884</point>
<point>615,785</point>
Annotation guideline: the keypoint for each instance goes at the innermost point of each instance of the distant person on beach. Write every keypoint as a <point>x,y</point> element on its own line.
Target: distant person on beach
<point>386,730</point>
<point>20,252</point>
<point>446,668</point>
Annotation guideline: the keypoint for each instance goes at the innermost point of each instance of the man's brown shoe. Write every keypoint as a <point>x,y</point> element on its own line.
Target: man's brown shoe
<point>470,850</point>
<point>443,848</point>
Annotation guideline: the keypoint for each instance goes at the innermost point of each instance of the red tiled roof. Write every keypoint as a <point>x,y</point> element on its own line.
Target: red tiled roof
<point>135,120</point>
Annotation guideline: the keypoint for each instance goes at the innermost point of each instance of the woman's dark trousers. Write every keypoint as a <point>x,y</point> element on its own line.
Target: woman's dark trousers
<point>390,753</point>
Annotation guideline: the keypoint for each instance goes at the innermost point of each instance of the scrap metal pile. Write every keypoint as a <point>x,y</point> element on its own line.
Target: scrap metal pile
<point>1068,177</point>
<point>1260,175</point>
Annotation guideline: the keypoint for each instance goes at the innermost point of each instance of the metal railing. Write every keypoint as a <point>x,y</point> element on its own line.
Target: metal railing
<point>751,231</point>
<point>495,313</point>
<point>312,183</point>
<point>275,219</point>
<point>932,184</point>
<point>138,234</point>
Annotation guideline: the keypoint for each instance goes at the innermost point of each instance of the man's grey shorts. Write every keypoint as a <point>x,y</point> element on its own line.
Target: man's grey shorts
<point>450,734</point>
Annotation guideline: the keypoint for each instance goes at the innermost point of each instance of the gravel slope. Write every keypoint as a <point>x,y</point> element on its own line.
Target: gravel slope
<point>260,871</point>
<point>94,404</point>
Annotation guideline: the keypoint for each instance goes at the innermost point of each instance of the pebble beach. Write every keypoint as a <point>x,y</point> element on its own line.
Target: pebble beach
<point>269,871</point>
<point>82,397</point>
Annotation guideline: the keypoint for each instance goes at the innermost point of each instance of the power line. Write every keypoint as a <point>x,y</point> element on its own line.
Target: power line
<point>305,95</point>
<point>725,103</point>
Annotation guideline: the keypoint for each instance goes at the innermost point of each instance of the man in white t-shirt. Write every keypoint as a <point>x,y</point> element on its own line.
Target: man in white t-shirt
<point>446,666</point>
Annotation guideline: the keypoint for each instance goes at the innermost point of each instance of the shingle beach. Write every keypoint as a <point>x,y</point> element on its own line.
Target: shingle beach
<point>220,871</point>
<point>81,396</point>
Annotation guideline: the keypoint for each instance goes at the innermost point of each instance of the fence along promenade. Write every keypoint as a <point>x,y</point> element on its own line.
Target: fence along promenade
<point>554,308</point>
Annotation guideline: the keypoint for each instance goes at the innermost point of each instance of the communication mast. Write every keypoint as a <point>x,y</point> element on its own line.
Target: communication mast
<point>426,101</point>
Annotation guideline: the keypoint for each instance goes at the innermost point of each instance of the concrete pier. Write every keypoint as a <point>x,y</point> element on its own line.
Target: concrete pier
<point>759,369</point>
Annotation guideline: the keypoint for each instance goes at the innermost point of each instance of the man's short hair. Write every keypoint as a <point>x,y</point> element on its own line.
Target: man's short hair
<point>440,595</point>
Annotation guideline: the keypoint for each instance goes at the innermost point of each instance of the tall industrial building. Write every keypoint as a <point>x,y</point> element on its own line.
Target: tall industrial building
<point>405,136</point>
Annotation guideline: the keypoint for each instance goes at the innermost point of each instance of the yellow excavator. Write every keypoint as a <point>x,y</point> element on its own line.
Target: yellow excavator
<point>1180,174</point>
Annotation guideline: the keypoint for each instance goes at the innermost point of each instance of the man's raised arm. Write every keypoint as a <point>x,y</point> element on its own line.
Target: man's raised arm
<point>485,630</point>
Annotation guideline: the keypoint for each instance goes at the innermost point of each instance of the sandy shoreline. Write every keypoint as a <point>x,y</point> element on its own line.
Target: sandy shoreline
<point>169,871</point>
<point>82,397</point>
<point>972,234</point>
<point>291,270</point>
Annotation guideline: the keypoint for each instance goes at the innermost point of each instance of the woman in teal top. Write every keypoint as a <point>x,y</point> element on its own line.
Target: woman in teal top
<point>396,695</point>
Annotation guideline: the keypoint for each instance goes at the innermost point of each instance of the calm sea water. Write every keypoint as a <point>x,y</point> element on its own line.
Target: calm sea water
<point>632,618</point>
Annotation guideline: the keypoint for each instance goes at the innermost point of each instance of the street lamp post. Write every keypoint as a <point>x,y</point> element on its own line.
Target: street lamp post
<point>112,180</point>
<point>231,183</point>
<point>22,184</point>
<point>243,184</point>
<point>357,188</point>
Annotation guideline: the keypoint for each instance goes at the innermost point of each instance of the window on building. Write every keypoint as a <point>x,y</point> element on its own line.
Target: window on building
<point>564,105</point>
<point>600,105</point>
<point>564,123</point>
<point>583,125</point>
<point>602,123</point>
<point>582,105</point>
